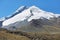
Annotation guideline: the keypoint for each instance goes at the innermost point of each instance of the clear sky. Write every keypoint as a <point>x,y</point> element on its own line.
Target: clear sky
<point>7,7</point>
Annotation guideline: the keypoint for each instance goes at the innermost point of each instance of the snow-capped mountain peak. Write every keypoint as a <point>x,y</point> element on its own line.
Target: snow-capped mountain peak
<point>28,14</point>
<point>35,9</point>
<point>38,13</point>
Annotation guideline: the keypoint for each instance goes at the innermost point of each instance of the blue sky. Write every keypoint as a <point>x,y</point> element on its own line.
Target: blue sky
<point>7,7</point>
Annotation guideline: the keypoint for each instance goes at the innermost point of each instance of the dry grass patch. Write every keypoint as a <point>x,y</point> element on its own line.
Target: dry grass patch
<point>8,36</point>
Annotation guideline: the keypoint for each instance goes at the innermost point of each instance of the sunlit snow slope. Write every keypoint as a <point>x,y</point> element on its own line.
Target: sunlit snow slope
<point>32,12</point>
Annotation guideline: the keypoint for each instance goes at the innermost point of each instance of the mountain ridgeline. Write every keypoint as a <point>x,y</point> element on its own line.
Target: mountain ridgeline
<point>31,19</point>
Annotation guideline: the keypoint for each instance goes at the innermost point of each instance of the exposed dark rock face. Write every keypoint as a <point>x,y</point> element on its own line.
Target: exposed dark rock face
<point>51,22</point>
<point>36,23</point>
<point>40,22</point>
<point>1,23</point>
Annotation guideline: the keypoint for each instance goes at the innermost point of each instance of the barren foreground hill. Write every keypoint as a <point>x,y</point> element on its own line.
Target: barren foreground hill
<point>8,36</point>
<point>18,35</point>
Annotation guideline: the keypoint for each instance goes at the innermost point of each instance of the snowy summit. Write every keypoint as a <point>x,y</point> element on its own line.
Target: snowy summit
<point>30,13</point>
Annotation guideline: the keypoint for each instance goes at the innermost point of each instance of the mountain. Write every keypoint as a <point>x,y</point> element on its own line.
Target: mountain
<point>32,18</point>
